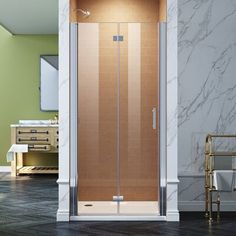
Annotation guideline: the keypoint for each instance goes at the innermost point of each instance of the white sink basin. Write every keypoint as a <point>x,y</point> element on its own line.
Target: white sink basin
<point>35,122</point>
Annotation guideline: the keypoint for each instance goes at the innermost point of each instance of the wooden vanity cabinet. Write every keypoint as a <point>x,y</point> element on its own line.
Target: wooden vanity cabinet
<point>39,140</point>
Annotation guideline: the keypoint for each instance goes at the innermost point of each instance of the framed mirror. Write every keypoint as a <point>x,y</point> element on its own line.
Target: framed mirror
<point>49,82</point>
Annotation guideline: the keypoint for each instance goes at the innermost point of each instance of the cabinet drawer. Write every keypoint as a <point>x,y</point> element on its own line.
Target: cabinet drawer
<point>33,140</point>
<point>36,131</point>
<point>39,148</point>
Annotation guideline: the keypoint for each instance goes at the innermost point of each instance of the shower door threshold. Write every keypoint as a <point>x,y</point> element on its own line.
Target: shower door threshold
<point>118,218</point>
<point>128,211</point>
<point>125,208</point>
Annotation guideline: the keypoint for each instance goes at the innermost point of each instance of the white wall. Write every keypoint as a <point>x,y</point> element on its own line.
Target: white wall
<point>64,111</point>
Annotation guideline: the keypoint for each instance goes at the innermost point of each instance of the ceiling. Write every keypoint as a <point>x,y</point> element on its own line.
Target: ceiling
<point>29,16</point>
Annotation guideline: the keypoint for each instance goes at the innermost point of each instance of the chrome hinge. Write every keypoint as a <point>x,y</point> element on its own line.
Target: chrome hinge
<point>118,198</point>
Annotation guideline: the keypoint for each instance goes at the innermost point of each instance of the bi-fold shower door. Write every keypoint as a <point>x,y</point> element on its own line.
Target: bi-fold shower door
<point>118,164</point>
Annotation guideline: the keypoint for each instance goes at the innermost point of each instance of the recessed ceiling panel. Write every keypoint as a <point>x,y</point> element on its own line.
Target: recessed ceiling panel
<point>29,16</point>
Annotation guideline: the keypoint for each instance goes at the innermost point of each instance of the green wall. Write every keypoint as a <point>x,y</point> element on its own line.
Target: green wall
<point>19,81</point>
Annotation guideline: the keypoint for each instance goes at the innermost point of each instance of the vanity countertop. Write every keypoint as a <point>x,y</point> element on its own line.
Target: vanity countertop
<point>34,125</point>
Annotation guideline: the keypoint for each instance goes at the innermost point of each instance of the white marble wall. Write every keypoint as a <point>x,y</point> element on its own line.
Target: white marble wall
<point>64,104</point>
<point>206,85</point>
<point>172,105</point>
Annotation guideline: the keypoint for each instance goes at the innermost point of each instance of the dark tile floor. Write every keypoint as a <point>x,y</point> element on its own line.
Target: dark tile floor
<point>28,206</point>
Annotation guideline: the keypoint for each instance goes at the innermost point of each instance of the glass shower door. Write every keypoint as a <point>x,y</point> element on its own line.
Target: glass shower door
<point>117,118</point>
<point>97,109</point>
<point>138,118</point>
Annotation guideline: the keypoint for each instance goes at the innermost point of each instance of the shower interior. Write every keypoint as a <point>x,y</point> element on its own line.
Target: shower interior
<point>118,101</point>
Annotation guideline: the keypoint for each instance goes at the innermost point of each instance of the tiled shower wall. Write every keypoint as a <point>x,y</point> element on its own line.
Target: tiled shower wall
<point>206,89</point>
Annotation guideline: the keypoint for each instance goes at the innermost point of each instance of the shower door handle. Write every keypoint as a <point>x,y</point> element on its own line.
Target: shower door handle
<point>154,118</point>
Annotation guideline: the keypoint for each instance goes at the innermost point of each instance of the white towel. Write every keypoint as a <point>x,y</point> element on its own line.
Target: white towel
<point>21,148</point>
<point>224,180</point>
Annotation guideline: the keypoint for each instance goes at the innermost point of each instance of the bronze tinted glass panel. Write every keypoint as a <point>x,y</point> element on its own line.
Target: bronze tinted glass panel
<point>97,81</point>
<point>138,96</point>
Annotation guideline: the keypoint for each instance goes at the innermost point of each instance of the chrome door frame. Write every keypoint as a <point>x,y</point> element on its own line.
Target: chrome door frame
<point>163,115</point>
<point>73,118</point>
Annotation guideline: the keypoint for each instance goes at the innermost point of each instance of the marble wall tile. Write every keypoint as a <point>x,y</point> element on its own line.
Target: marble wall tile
<point>172,89</point>
<point>192,189</point>
<point>207,88</point>
<point>64,82</point>
<point>172,105</point>
<point>206,83</point>
<point>64,98</point>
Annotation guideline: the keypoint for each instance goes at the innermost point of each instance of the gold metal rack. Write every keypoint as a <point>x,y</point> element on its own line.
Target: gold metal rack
<point>210,155</point>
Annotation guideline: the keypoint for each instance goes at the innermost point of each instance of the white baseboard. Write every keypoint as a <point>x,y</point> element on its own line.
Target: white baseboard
<point>172,216</point>
<point>200,206</point>
<point>63,216</point>
<point>5,169</point>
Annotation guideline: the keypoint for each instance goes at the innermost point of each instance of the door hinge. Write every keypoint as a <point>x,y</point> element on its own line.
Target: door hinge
<point>118,198</point>
<point>118,38</point>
